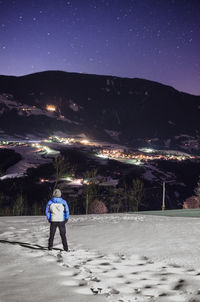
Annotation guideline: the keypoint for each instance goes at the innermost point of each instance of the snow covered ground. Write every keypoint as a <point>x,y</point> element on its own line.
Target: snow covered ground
<point>31,158</point>
<point>113,257</point>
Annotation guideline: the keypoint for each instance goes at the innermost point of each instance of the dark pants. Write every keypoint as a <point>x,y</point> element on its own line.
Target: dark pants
<point>62,229</point>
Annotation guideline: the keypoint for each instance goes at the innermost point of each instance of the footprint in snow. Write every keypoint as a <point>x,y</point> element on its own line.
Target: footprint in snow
<point>59,258</point>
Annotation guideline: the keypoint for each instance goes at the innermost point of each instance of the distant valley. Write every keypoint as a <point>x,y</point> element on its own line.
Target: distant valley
<point>124,129</point>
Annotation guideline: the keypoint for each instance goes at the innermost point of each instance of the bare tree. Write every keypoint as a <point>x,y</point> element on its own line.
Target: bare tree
<point>136,194</point>
<point>18,207</point>
<point>197,189</point>
<point>62,167</point>
<point>90,190</point>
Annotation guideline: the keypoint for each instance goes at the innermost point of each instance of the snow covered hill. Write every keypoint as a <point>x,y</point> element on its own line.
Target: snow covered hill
<point>117,257</point>
<point>128,111</point>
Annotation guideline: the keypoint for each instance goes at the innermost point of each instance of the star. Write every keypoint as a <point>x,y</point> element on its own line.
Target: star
<point>158,33</point>
<point>94,31</point>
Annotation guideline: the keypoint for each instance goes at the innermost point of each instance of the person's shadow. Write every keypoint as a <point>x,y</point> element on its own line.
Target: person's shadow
<point>28,245</point>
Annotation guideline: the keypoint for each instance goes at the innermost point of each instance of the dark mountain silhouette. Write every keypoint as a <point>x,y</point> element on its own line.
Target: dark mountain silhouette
<point>101,107</point>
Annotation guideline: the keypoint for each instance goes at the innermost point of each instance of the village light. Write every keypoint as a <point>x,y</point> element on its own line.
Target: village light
<point>147,150</point>
<point>51,108</point>
<point>36,145</point>
<point>78,182</point>
<point>84,141</point>
<point>102,155</point>
<point>42,180</point>
<point>49,150</point>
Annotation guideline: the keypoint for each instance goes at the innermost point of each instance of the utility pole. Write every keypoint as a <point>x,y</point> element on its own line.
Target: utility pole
<point>87,203</point>
<point>163,200</point>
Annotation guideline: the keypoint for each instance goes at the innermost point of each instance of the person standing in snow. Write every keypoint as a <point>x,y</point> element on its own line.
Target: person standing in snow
<point>57,213</point>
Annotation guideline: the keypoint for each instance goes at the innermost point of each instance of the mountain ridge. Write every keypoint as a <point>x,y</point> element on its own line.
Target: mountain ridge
<point>102,107</point>
<point>96,75</point>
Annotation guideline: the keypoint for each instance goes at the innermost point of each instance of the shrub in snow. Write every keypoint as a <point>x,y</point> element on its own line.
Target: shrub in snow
<point>191,203</point>
<point>97,207</point>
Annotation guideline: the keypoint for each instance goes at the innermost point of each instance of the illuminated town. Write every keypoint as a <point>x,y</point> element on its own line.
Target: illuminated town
<point>80,156</point>
<point>125,155</point>
<point>70,141</point>
<point>139,158</point>
<point>36,145</point>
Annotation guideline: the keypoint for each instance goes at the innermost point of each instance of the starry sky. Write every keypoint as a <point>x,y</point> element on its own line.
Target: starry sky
<point>157,40</point>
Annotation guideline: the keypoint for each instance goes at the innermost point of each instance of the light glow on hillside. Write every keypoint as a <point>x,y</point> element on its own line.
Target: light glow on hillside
<point>51,108</point>
<point>84,142</point>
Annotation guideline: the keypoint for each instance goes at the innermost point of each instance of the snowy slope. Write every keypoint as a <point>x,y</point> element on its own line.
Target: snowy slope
<point>117,257</point>
<point>136,112</point>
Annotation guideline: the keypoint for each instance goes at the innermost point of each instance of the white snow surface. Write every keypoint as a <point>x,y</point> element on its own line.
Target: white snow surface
<point>30,159</point>
<point>113,257</point>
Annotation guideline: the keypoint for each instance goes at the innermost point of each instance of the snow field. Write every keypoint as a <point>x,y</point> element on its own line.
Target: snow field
<point>113,257</point>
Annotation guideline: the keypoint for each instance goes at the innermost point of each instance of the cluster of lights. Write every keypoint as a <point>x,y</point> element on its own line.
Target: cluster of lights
<point>71,181</point>
<point>36,145</point>
<point>61,140</point>
<point>27,108</point>
<point>147,150</point>
<point>43,180</point>
<point>70,140</point>
<point>74,181</point>
<point>139,158</point>
<point>13,143</point>
<point>45,149</point>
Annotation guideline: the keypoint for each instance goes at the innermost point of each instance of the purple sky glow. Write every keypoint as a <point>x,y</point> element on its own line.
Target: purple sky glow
<point>157,40</point>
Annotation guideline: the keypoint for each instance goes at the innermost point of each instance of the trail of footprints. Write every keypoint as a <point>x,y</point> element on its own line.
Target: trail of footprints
<point>121,278</point>
<point>127,279</point>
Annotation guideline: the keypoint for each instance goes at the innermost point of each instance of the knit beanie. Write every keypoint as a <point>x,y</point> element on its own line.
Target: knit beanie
<point>56,193</point>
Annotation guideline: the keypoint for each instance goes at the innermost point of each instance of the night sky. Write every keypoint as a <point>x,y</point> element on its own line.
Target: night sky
<point>157,40</point>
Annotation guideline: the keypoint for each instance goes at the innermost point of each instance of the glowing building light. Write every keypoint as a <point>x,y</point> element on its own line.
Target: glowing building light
<point>42,180</point>
<point>147,150</point>
<point>84,141</point>
<point>77,182</point>
<point>50,107</point>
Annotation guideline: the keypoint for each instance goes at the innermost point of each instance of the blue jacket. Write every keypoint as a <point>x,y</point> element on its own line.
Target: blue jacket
<point>57,209</point>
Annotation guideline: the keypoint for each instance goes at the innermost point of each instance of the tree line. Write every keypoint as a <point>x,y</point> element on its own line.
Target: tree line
<point>28,196</point>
